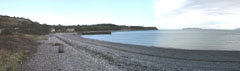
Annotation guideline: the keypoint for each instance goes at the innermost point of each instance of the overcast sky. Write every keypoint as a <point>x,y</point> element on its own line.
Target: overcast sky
<point>164,14</point>
<point>220,14</point>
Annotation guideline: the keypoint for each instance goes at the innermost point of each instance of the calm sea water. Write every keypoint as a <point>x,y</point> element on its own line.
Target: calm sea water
<point>180,39</point>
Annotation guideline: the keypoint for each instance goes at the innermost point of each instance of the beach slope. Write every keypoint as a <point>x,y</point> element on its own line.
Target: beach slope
<point>83,54</point>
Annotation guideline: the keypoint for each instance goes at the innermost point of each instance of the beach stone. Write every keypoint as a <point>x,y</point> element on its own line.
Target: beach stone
<point>61,49</point>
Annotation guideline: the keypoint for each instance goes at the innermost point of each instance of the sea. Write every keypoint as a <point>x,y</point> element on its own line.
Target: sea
<point>226,40</point>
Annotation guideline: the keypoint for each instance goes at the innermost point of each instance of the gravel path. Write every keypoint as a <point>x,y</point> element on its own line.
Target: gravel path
<point>83,54</point>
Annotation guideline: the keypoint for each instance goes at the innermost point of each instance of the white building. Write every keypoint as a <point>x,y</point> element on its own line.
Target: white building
<point>52,30</point>
<point>70,30</point>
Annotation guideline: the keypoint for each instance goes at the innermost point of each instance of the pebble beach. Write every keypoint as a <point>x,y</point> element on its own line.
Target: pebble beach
<point>82,54</point>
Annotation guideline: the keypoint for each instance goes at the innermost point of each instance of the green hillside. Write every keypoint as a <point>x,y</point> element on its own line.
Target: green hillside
<point>22,25</point>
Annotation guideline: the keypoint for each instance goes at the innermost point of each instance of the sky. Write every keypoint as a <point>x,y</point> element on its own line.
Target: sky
<point>164,14</point>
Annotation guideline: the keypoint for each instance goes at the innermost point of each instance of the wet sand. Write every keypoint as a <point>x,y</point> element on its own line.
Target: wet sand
<point>98,55</point>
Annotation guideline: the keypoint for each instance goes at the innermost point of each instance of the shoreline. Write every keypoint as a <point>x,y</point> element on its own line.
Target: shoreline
<point>172,48</point>
<point>198,56</point>
<point>183,51</point>
<point>83,54</point>
<point>195,49</point>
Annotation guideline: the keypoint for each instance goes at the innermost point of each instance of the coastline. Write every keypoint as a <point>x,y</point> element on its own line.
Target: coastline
<point>202,47</point>
<point>155,51</point>
<point>198,56</point>
<point>109,56</point>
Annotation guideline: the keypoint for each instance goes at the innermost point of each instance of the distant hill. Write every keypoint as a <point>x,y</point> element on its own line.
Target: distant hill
<point>192,29</point>
<point>22,25</point>
<point>6,21</point>
<point>26,26</point>
<point>110,27</point>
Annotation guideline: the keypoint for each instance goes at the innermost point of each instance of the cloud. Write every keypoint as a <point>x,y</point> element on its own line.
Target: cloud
<point>177,14</point>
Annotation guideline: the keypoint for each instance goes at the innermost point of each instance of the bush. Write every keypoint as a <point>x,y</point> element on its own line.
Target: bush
<point>57,44</point>
<point>7,32</point>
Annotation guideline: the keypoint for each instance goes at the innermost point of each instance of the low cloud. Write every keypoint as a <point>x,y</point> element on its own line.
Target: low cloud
<point>177,14</point>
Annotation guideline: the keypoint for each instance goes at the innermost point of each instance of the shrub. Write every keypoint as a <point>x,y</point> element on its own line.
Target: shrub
<point>57,44</point>
<point>7,32</point>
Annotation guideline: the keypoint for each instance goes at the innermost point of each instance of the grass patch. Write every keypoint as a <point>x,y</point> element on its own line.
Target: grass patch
<point>36,37</point>
<point>13,49</point>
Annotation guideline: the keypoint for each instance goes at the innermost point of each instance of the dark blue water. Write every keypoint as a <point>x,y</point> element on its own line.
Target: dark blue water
<point>180,39</point>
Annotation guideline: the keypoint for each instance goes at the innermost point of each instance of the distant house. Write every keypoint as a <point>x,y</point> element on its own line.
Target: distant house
<point>52,30</point>
<point>58,30</point>
<point>70,29</point>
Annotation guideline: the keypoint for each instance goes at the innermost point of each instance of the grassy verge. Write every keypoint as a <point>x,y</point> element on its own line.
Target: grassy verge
<point>36,37</point>
<point>14,49</point>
